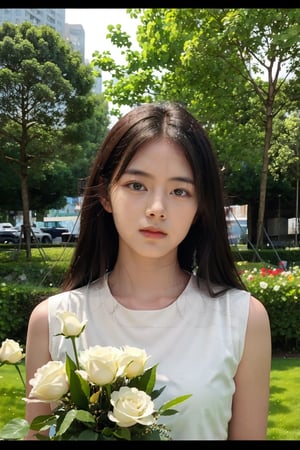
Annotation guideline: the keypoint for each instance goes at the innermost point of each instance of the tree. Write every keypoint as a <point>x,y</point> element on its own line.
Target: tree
<point>49,185</point>
<point>90,133</point>
<point>227,65</point>
<point>44,88</point>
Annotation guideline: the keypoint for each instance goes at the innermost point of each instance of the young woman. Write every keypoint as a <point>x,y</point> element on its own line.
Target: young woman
<point>153,269</point>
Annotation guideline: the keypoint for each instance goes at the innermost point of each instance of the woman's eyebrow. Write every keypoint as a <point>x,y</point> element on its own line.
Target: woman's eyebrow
<point>148,175</point>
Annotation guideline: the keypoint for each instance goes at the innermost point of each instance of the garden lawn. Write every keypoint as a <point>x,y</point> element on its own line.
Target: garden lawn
<point>284,416</point>
<point>11,393</point>
<point>284,413</point>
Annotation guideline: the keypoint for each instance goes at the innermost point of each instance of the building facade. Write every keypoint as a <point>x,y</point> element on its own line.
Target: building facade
<point>55,18</point>
<point>74,33</point>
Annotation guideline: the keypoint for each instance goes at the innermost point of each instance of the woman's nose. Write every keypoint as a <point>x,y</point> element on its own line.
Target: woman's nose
<point>156,209</point>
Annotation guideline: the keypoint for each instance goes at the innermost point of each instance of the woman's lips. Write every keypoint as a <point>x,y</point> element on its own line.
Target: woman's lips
<point>155,234</point>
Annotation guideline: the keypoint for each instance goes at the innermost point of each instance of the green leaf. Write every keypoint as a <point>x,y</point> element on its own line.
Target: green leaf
<point>169,412</point>
<point>43,422</point>
<point>107,432</point>
<point>15,430</point>
<point>79,388</point>
<point>156,393</point>
<point>80,391</point>
<point>74,414</point>
<point>145,382</point>
<point>173,402</point>
<point>42,437</point>
<point>87,435</point>
<point>123,433</point>
<point>70,366</point>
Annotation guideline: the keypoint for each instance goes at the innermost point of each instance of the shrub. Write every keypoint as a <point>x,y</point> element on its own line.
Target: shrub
<point>16,304</point>
<point>26,283</point>
<point>279,291</point>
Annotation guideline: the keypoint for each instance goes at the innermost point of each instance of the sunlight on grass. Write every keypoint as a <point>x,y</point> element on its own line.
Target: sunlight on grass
<point>284,414</point>
<point>11,393</point>
<point>53,253</point>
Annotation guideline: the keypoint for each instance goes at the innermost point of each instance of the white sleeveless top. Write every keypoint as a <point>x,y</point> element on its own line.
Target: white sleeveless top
<point>197,341</point>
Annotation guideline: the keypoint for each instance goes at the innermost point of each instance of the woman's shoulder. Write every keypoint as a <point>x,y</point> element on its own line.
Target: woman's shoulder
<point>80,291</point>
<point>81,295</point>
<point>258,315</point>
<point>230,304</point>
<point>38,321</point>
<point>222,294</point>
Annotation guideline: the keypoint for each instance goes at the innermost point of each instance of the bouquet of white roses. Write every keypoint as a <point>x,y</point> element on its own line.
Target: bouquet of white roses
<point>105,393</point>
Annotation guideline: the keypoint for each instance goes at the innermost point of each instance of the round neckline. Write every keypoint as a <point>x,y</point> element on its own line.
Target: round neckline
<point>117,304</point>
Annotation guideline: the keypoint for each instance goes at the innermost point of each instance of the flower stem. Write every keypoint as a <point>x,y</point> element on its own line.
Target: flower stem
<point>20,374</point>
<point>75,351</point>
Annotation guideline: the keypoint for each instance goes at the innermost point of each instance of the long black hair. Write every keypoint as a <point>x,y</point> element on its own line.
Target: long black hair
<point>205,251</point>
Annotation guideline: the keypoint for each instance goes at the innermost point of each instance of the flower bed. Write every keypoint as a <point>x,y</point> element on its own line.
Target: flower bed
<point>279,290</point>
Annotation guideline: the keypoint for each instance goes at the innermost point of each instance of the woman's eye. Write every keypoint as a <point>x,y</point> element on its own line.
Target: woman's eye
<point>180,192</point>
<point>136,186</point>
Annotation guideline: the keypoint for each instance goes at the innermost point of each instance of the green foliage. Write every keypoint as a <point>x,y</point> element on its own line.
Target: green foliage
<point>234,68</point>
<point>265,256</point>
<point>23,284</point>
<point>45,269</point>
<point>207,67</point>
<point>45,93</point>
<point>279,291</point>
<point>16,303</point>
<point>284,152</point>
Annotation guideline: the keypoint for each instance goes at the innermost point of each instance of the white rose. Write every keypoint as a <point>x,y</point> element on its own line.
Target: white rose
<point>11,351</point>
<point>102,364</point>
<point>50,382</point>
<point>71,326</point>
<point>134,360</point>
<point>131,406</point>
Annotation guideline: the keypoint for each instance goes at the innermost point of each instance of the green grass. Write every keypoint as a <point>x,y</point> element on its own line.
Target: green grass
<point>40,254</point>
<point>284,416</point>
<point>11,393</point>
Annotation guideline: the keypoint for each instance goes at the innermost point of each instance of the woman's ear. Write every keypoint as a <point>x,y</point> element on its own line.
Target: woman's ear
<point>105,202</point>
<point>104,194</point>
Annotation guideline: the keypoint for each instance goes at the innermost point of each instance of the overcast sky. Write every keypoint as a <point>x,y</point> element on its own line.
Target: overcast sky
<point>95,22</point>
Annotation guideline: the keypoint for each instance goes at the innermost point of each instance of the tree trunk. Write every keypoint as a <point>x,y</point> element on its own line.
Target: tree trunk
<point>264,178</point>
<point>26,228</point>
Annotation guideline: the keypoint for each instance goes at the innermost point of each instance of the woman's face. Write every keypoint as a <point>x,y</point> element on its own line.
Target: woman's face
<point>154,202</point>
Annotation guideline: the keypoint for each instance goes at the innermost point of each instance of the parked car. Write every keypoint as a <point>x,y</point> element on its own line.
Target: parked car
<point>7,226</point>
<point>55,232</point>
<point>38,235</point>
<point>67,236</point>
<point>41,236</point>
<point>9,237</point>
<point>71,236</point>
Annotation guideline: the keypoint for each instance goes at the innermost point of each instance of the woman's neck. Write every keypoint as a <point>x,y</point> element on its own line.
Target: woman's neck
<point>147,287</point>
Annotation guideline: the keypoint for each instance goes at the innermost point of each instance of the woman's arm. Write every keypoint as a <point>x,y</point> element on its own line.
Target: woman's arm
<point>250,407</point>
<point>37,354</point>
